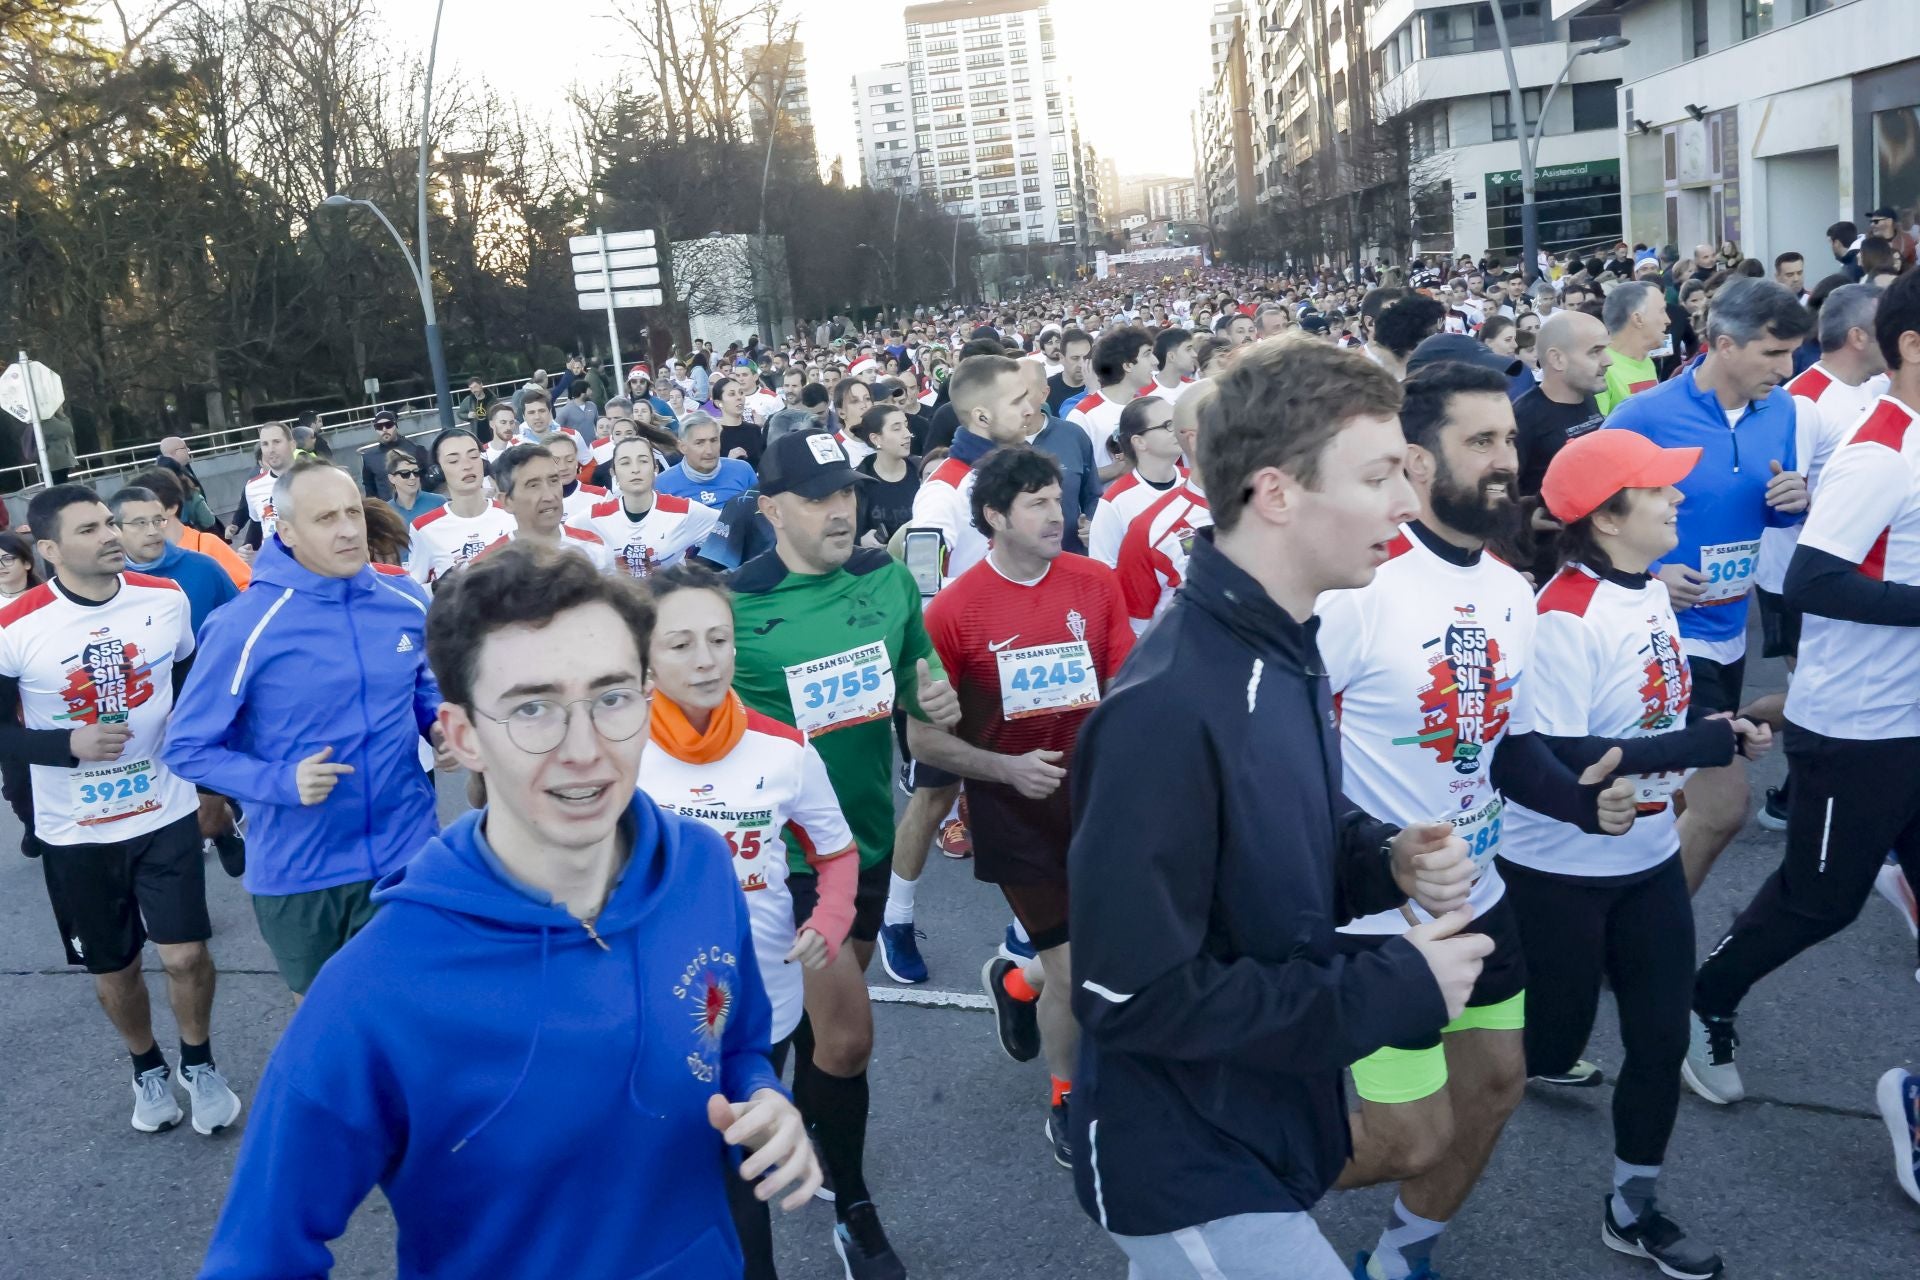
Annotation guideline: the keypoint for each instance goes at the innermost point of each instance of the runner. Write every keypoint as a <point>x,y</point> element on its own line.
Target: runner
<point>532,484</point>
<point>276,455</point>
<point>645,531</point>
<point>1898,1095</point>
<point>446,538</point>
<point>1732,405</point>
<point>1151,447</point>
<point>1216,1013</point>
<point>702,474</point>
<point>1853,710</point>
<point>755,782</point>
<point>1030,637</point>
<point>558,985</point>
<point>89,664</point>
<point>1426,665</point>
<point>829,638</point>
<point>1636,317</point>
<point>1123,365</point>
<point>1591,909</point>
<point>578,498</point>
<point>504,423</point>
<point>1152,559</point>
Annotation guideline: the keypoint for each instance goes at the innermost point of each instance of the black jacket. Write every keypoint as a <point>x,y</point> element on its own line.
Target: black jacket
<point>1213,855</point>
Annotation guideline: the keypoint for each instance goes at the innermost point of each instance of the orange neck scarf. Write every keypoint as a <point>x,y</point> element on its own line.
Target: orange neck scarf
<point>673,733</point>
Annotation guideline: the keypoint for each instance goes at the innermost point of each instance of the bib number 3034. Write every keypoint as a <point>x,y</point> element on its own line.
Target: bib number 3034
<point>1729,569</point>
<point>843,689</point>
<point>1046,679</point>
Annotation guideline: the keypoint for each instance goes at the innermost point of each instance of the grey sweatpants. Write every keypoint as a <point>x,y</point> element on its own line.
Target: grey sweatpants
<point>1246,1246</point>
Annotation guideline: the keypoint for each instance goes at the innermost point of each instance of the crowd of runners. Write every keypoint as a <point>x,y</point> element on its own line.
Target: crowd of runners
<point>1428,595</point>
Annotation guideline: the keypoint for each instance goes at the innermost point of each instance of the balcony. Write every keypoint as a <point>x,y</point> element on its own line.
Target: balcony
<point>1465,75</point>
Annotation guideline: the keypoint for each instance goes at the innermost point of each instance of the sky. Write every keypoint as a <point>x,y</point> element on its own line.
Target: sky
<point>1136,73</point>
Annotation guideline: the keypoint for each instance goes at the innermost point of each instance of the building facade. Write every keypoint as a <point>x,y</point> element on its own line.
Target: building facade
<point>1765,121</point>
<point>777,81</point>
<point>883,115</point>
<point>1223,138</point>
<point>995,139</point>
<point>1440,76</point>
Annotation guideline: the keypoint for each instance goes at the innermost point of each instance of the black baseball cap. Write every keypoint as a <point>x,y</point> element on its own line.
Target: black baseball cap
<point>1458,346</point>
<point>1884,211</point>
<point>809,463</point>
<point>385,418</point>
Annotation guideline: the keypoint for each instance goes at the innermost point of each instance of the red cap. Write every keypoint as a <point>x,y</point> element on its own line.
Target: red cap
<point>1590,469</point>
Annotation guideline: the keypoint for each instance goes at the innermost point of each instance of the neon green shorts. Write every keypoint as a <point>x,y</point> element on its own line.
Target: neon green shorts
<point>1407,1075</point>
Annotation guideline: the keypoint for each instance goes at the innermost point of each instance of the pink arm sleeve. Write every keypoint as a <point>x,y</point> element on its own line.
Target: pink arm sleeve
<point>833,915</point>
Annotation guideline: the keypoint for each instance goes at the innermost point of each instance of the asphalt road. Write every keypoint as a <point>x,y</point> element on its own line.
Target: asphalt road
<point>1794,1183</point>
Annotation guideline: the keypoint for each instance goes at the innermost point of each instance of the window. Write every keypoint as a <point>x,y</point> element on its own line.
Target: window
<point>1697,19</point>
<point>1756,18</point>
<point>1595,106</point>
<point>1430,133</point>
<point>1503,130</point>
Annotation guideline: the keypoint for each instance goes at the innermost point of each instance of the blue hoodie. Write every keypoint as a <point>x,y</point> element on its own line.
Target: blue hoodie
<point>1726,492</point>
<point>297,663</point>
<point>205,583</point>
<point>532,1102</point>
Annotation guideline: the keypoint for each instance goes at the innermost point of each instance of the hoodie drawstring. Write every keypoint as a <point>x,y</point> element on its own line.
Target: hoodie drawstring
<point>533,1047</point>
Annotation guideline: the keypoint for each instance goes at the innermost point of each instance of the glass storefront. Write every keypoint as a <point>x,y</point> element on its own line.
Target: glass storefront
<point>1578,204</point>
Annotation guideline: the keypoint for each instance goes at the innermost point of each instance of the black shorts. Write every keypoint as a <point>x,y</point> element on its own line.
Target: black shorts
<point>869,897</point>
<point>1779,626</point>
<point>919,777</point>
<point>108,899</point>
<point>1041,908</point>
<point>1716,686</point>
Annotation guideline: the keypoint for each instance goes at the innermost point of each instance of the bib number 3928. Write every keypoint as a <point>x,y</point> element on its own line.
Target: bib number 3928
<point>114,791</point>
<point>1045,679</point>
<point>843,689</point>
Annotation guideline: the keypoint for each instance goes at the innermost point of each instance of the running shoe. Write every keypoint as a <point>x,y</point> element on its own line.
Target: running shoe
<point>1016,1021</point>
<point>1709,1069</point>
<point>154,1106</point>
<point>215,1104</point>
<point>955,842</point>
<point>1363,1270</point>
<point>900,953</point>
<point>1659,1239</point>
<point>863,1247</point>
<point>1890,882</point>
<point>1582,1075</point>
<point>232,849</point>
<point>1016,948</point>
<point>1773,813</point>
<point>1060,1136</point>
<point>1899,1096</point>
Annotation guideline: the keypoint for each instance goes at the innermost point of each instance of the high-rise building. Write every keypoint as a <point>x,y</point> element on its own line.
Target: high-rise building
<point>1220,31</point>
<point>777,81</point>
<point>993,126</point>
<point>883,114</point>
<point>1223,139</point>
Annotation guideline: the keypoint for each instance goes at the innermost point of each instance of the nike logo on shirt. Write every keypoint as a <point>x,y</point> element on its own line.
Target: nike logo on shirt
<point>995,648</point>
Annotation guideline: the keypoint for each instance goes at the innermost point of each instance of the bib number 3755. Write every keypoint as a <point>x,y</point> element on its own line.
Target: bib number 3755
<point>842,689</point>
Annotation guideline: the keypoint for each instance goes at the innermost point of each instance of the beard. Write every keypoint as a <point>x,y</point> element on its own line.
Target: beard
<point>1468,509</point>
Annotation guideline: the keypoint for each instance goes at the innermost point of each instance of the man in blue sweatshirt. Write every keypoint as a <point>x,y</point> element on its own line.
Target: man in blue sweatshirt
<point>543,1046</point>
<point>308,705</point>
<point>1733,407</point>
<point>142,522</point>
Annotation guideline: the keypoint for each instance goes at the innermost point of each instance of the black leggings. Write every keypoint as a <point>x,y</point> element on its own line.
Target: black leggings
<point>1638,932</point>
<point>752,1219</point>
<point>1851,801</point>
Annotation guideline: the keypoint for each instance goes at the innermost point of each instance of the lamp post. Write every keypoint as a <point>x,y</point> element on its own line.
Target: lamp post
<point>1530,138</point>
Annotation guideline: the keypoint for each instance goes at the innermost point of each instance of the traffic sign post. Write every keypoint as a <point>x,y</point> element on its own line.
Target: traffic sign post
<point>613,270</point>
<point>28,389</point>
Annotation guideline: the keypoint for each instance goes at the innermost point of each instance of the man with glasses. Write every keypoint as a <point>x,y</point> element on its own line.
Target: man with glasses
<point>404,493</point>
<point>504,973</point>
<point>376,459</point>
<point>142,522</point>
<point>311,697</point>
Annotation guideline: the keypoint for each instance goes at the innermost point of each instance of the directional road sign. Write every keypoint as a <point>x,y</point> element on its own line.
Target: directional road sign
<point>638,279</point>
<point>611,240</point>
<point>49,393</point>
<point>632,298</point>
<point>617,259</point>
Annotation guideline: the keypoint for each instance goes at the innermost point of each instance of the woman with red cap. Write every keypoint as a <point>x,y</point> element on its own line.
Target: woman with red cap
<point>1608,670</point>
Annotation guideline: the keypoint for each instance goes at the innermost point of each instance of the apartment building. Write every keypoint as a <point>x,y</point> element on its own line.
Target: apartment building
<point>777,79</point>
<point>883,115</point>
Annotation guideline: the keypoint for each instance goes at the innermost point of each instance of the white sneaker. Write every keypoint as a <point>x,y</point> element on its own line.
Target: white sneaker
<point>1899,1097</point>
<point>1708,1068</point>
<point>215,1104</point>
<point>154,1106</point>
<point>1890,882</point>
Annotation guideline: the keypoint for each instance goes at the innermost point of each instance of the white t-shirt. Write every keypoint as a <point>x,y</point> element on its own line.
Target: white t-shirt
<point>1607,663</point>
<point>577,507</point>
<point>1856,680</point>
<point>944,501</point>
<point>1425,663</point>
<point>1829,410</point>
<point>443,541</point>
<point>660,538</point>
<point>260,502</point>
<point>772,783</point>
<point>1099,417</point>
<point>75,662</point>
<point>1124,499</point>
<point>1154,550</point>
<point>583,541</point>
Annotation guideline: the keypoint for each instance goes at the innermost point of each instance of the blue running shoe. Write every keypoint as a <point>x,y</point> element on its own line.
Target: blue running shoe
<point>1899,1098</point>
<point>1014,949</point>
<point>1424,1271</point>
<point>900,953</point>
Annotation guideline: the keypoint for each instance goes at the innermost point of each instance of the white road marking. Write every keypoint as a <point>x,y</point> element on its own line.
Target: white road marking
<point>929,999</point>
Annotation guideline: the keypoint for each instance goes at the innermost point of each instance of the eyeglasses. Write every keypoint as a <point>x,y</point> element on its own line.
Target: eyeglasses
<point>540,725</point>
<point>145,522</point>
<point>9,563</point>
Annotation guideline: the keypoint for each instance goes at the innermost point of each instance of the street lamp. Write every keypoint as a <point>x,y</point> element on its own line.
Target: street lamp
<point>1530,138</point>
<point>436,355</point>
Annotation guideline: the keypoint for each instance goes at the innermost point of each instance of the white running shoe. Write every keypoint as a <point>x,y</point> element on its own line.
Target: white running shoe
<point>1709,1069</point>
<point>1899,1097</point>
<point>1890,882</point>
<point>154,1106</point>
<point>215,1104</point>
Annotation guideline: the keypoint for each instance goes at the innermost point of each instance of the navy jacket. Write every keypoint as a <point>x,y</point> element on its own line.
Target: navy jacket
<point>1217,1011</point>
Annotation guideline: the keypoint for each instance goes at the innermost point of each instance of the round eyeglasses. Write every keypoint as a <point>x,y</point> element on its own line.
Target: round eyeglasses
<point>540,725</point>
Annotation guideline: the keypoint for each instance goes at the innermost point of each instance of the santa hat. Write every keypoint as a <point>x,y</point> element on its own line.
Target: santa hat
<point>640,370</point>
<point>862,365</point>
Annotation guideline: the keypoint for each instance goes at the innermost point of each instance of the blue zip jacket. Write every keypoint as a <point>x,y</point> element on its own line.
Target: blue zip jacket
<point>1726,492</point>
<point>205,583</point>
<point>533,1102</point>
<point>297,663</point>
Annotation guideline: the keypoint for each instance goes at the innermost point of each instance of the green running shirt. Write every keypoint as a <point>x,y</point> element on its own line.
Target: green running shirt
<point>815,651</point>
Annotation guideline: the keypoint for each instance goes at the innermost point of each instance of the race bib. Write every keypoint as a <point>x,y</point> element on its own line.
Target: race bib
<point>113,791</point>
<point>1652,791</point>
<point>1729,568</point>
<point>1046,679</point>
<point>1481,830</point>
<point>846,688</point>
